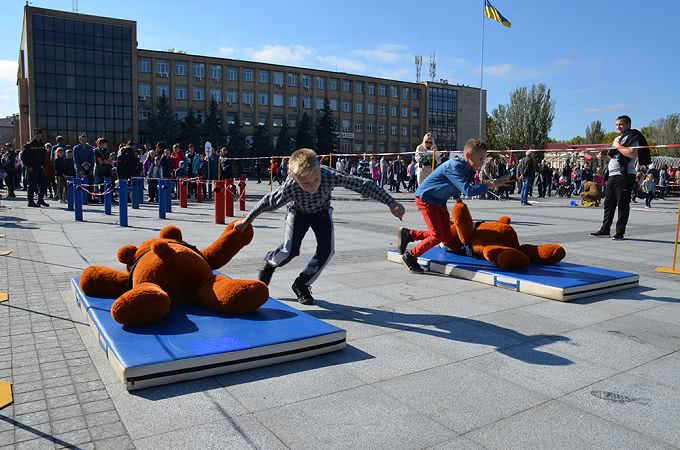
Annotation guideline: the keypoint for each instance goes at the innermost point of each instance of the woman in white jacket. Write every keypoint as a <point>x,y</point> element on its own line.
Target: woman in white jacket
<point>423,157</point>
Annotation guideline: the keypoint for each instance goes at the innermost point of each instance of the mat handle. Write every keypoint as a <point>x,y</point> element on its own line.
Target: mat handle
<point>506,284</point>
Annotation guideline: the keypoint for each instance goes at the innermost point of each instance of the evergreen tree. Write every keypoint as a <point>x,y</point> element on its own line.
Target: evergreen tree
<point>262,141</point>
<point>190,130</point>
<point>236,144</point>
<point>527,119</point>
<point>163,124</point>
<point>326,129</point>
<point>594,132</point>
<point>213,128</point>
<point>283,147</point>
<point>304,137</point>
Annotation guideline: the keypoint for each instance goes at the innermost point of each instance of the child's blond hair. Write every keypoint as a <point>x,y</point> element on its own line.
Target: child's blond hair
<point>475,146</point>
<point>303,162</point>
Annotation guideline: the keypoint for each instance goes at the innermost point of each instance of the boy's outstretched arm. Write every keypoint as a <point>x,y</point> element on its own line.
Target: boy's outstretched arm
<point>270,202</point>
<point>368,188</point>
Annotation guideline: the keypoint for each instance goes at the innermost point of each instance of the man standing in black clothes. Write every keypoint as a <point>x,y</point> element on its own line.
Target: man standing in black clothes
<point>621,177</point>
<point>33,157</point>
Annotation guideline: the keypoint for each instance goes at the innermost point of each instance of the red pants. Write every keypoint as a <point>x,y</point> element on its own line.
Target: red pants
<point>438,227</point>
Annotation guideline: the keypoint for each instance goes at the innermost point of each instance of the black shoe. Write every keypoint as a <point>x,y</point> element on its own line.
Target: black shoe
<point>303,292</point>
<point>617,237</point>
<point>34,205</point>
<point>266,274</point>
<point>403,239</point>
<point>411,263</point>
<point>42,203</point>
<point>600,233</point>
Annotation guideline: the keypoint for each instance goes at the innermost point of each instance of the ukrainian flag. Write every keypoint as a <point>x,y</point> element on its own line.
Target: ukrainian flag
<point>490,12</point>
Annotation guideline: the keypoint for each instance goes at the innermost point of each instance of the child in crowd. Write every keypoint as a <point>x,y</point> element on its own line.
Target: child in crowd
<point>58,164</point>
<point>451,179</point>
<point>307,192</point>
<point>648,187</point>
<point>153,175</point>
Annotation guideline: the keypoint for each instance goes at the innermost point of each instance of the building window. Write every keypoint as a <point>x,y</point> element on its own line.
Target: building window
<point>357,147</point>
<point>162,90</point>
<point>180,68</point>
<point>232,73</point>
<point>346,126</point>
<point>292,101</point>
<point>143,90</point>
<point>416,94</point>
<point>216,72</point>
<point>277,99</point>
<point>393,111</point>
<point>381,129</point>
<point>370,88</point>
<point>404,112</point>
<point>216,95</point>
<point>404,93</point>
<point>358,127</point>
<point>404,131</point>
<point>277,122</point>
<point>358,87</point>
<point>144,65</point>
<point>333,84</point>
<point>306,82</point>
<point>320,83</point>
<point>198,71</point>
<point>144,113</point>
<point>162,68</point>
<point>358,108</point>
<point>370,108</point>
<point>383,90</point>
<point>231,119</point>
<point>319,103</point>
<point>181,114</point>
<point>247,97</point>
<point>292,79</point>
<point>346,86</point>
<point>262,119</point>
<point>394,91</point>
<point>382,147</point>
<point>370,128</point>
<point>346,107</point>
<point>382,110</point>
<point>415,130</point>
<point>264,76</point>
<point>247,119</point>
<point>278,79</point>
<point>248,75</point>
<point>307,102</point>
<point>198,114</point>
<point>333,103</point>
<point>232,96</point>
<point>415,113</point>
<point>199,94</point>
<point>181,92</point>
<point>292,121</point>
<point>393,130</point>
<point>402,149</point>
<point>262,98</point>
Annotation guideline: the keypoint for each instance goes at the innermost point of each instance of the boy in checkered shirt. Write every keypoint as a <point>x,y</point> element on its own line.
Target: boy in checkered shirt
<point>307,192</point>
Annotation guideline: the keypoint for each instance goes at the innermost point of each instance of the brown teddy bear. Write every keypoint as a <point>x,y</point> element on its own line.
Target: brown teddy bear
<point>591,195</point>
<point>167,270</point>
<point>497,242</point>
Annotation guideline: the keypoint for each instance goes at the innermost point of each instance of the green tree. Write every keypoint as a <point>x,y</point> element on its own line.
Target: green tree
<point>262,142</point>
<point>304,137</point>
<point>576,140</point>
<point>608,138</point>
<point>491,133</point>
<point>665,130</point>
<point>190,130</point>
<point>326,129</point>
<point>283,147</point>
<point>163,124</point>
<point>213,128</point>
<point>594,132</point>
<point>526,121</point>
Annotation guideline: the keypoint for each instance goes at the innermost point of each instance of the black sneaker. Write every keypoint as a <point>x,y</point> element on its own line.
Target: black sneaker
<point>303,292</point>
<point>411,263</point>
<point>33,205</point>
<point>617,237</point>
<point>403,239</point>
<point>266,274</point>
<point>600,233</point>
<point>42,203</point>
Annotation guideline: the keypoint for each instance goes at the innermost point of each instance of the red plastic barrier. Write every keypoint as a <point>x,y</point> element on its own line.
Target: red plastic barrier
<point>183,192</point>
<point>229,198</point>
<point>219,201</point>
<point>199,190</point>
<point>242,194</point>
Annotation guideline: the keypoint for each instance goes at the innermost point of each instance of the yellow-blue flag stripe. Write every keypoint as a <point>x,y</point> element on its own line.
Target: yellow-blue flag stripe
<point>492,13</point>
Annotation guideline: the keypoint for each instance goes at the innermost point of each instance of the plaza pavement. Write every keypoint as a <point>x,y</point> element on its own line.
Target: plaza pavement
<point>431,362</point>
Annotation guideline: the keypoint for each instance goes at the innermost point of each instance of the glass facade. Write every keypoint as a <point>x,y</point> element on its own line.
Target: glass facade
<point>82,78</point>
<point>442,109</point>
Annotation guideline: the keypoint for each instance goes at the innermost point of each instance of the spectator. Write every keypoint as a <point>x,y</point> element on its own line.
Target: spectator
<point>58,164</point>
<point>9,163</point>
<point>176,156</point>
<point>59,145</point>
<point>424,154</point>
<point>33,158</point>
<point>103,167</point>
<point>201,171</point>
<point>48,170</point>
<point>155,173</point>
<point>648,187</point>
<point>83,159</point>
<point>663,181</point>
<point>525,173</point>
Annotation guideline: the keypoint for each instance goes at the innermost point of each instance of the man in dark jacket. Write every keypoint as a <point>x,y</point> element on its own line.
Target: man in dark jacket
<point>526,172</point>
<point>33,158</point>
<point>8,163</point>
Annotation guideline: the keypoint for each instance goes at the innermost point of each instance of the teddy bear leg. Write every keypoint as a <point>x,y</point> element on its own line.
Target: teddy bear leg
<point>507,258</point>
<point>547,254</point>
<point>462,220</point>
<point>99,281</point>
<point>227,245</point>
<point>233,297</point>
<point>144,304</point>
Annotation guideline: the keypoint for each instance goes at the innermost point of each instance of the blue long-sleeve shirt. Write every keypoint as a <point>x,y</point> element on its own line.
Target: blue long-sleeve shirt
<point>83,154</point>
<point>450,179</point>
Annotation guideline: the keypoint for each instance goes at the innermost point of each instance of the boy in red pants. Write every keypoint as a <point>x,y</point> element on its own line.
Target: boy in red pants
<point>450,179</point>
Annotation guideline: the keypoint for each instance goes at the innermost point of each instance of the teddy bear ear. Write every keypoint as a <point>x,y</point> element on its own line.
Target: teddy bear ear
<point>162,249</point>
<point>505,220</point>
<point>126,254</point>
<point>171,232</point>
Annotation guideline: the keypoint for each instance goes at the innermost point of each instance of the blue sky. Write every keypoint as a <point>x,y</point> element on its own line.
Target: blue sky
<point>601,58</point>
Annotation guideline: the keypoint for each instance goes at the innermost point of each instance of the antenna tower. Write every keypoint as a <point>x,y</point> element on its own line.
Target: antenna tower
<point>74,5</point>
<point>433,66</point>
<point>419,66</point>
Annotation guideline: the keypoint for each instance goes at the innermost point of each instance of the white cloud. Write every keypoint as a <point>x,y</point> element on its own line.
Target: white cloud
<point>9,103</point>
<point>8,70</point>
<point>342,64</point>
<point>280,54</point>
<point>384,53</point>
<point>226,51</point>
<point>607,108</point>
<point>398,74</point>
<point>500,69</point>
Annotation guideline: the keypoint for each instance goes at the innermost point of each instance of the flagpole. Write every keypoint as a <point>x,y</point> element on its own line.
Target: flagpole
<point>481,76</point>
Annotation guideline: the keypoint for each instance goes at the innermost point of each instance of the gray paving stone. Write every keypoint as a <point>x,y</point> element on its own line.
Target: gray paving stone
<point>73,438</point>
<point>106,431</point>
<point>26,433</point>
<point>115,443</point>
<point>361,417</point>
<point>70,424</point>
<point>556,425</point>
<point>35,444</point>
<point>640,329</point>
<point>457,443</point>
<point>64,400</point>
<point>664,370</point>
<point>66,412</point>
<point>30,407</point>
<point>34,418</point>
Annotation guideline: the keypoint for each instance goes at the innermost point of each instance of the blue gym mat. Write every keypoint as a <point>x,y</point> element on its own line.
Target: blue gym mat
<point>193,342</point>
<point>563,281</point>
